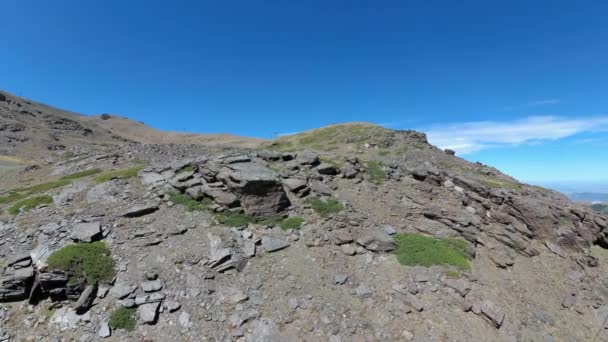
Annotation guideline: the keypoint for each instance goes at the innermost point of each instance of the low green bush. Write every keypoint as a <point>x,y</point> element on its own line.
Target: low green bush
<point>119,174</point>
<point>324,207</point>
<point>123,318</point>
<point>84,261</point>
<point>29,203</point>
<point>415,249</point>
<point>293,222</point>
<point>188,202</point>
<point>376,174</point>
<point>81,174</point>
<point>237,220</point>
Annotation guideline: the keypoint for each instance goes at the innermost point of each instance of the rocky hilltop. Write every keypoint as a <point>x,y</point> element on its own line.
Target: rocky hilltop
<point>345,233</point>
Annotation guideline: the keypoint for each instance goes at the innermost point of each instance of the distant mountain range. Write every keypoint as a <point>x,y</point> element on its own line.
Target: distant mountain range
<point>589,197</point>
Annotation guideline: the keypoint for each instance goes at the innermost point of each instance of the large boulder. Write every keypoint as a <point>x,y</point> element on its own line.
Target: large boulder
<point>258,187</point>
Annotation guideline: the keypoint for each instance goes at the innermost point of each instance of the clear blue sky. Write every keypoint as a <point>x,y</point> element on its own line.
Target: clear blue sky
<point>521,85</point>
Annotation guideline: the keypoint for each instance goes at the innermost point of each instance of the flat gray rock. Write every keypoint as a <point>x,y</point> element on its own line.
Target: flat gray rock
<point>273,244</point>
<point>86,232</point>
<point>148,313</point>
<point>152,286</point>
<point>140,210</point>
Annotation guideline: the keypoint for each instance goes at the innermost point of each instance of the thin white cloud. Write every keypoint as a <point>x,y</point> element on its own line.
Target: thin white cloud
<point>474,136</point>
<point>537,103</point>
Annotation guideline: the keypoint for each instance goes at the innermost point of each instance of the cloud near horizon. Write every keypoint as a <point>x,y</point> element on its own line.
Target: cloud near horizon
<point>469,137</point>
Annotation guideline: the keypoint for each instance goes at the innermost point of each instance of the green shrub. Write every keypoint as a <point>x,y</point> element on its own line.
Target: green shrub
<point>188,202</point>
<point>119,174</point>
<point>29,203</point>
<point>123,318</point>
<point>237,220</point>
<point>294,222</point>
<point>82,174</point>
<point>376,174</point>
<point>324,207</point>
<point>415,249</point>
<point>84,261</point>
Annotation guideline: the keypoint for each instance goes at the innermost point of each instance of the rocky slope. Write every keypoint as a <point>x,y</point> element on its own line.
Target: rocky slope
<point>35,130</point>
<point>299,240</point>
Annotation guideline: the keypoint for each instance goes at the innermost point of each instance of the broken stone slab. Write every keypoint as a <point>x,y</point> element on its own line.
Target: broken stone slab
<point>249,249</point>
<point>19,261</point>
<point>363,291</point>
<point>555,249</point>
<point>376,241</point>
<point>86,232</point>
<point>492,313</point>
<point>104,330</point>
<point>320,188</point>
<point>231,295</point>
<point>121,290</point>
<point>308,158</point>
<point>152,286</point>
<point>140,210</point>
<point>342,236</point>
<point>295,184</point>
<point>327,169</point>
<point>86,299</point>
<point>348,249</point>
<point>462,302</point>
<point>172,305</point>
<point>16,285</point>
<point>273,244</point>
<point>461,286</point>
<point>148,313</point>
<point>218,254</point>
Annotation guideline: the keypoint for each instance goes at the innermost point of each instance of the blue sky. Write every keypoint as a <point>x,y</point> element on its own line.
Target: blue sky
<point>520,85</point>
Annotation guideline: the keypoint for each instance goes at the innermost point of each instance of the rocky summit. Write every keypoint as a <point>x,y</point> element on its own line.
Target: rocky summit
<point>345,233</point>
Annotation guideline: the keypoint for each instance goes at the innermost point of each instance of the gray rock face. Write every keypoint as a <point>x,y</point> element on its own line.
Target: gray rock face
<point>86,232</point>
<point>104,330</point>
<point>140,210</point>
<point>121,290</point>
<point>376,241</point>
<point>492,313</point>
<point>148,313</point>
<point>295,184</point>
<point>152,286</point>
<point>308,158</point>
<point>327,169</point>
<point>273,244</point>
<point>259,189</point>
<point>15,285</point>
<point>86,299</point>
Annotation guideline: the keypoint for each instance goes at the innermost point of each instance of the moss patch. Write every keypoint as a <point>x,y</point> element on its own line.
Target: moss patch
<point>29,203</point>
<point>188,202</point>
<point>119,174</point>
<point>376,174</point>
<point>415,249</point>
<point>234,219</point>
<point>82,174</point>
<point>84,261</point>
<point>123,319</point>
<point>293,222</point>
<point>324,207</point>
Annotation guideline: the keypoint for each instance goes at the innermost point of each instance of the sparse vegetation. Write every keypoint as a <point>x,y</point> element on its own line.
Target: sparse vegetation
<point>293,222</point>
<point>415,249</point>
<point>119,174</point>
<point>376,174</point>
<point>188,202</point>
<point>331,137</point>
<point>336,162</point>
<point>325,207</point>
<point>600,208</point>
<point>91,262</point>
<point>81,174</point>
<point>452,274</point>
<point>123,319</point>
<point>29,203</point>
<point>231,219</point>
<point>496,183</point>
